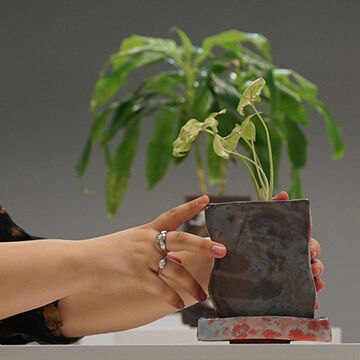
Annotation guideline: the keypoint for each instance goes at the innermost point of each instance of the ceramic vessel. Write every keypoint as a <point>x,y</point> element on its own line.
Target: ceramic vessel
<point>197,226</point>
<point>267,270</point>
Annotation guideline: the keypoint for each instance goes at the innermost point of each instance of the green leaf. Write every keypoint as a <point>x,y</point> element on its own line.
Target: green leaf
<point>307,90</point>
<point>130,109</point>
<point>291,106</point>
<point>160,147</point>
<point>164,82</point>
<point>83,162</point>
<point>225,96</point>
<point>213,163</point>
<point>119,170</point>
<point>95,133</point>
<point>137,44</point>
<point>107,86</point>
<point>186,43</point>
<point>203,100</point>
<point>251,94</point>
<point>274,93</point>
<point>296,143</point>
<point>302,87</point>
<point>233,37</point>
<point>295,191</point>
<point>333,130</point>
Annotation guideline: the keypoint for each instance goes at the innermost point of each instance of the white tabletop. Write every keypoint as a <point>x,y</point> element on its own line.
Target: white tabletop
<point>175,352</point>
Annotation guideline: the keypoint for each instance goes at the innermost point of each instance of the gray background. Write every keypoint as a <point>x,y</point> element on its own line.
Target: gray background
<point>51,53</point>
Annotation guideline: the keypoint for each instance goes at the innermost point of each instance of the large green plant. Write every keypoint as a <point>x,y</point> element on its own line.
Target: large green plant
<point>199,80</point>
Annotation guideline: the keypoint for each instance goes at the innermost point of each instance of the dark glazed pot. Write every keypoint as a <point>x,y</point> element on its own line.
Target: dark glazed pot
<point>197,226</point>
<point>267,269</point>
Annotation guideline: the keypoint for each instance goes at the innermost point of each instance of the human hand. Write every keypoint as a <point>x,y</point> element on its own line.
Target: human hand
<point>317,266</point>
<point>131,257</point>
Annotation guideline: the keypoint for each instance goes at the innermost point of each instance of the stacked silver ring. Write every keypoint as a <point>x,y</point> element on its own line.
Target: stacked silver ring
<point>161,240</point>
<point>162,264</point>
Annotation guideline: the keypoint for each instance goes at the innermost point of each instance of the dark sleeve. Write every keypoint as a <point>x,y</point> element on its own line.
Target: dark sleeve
<point>42,324</point>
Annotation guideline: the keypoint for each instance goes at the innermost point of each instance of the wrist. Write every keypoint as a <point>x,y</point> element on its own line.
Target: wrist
<point>85,263</point>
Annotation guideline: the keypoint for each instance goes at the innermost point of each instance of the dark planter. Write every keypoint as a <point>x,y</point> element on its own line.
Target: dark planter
<point>197,226</point>
<point>267,269</point>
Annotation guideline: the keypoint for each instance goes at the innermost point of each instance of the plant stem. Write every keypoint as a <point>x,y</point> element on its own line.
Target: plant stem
<point>270,193</point>
<point>200,169</point>
<point>261,174</point>
<point>253,178</point>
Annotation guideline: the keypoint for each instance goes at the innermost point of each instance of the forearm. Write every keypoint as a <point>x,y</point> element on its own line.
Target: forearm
<point>35,273</point>
<point>89,313</point>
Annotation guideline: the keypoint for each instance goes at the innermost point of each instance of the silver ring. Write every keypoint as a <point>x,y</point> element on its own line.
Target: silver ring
<point>161,240</point>
<point>162,264</point>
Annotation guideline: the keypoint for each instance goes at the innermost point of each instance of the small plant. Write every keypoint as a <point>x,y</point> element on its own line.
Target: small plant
<point>226,146</point>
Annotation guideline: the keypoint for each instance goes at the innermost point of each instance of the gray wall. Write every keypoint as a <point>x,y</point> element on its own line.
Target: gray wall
<point>51,53</point>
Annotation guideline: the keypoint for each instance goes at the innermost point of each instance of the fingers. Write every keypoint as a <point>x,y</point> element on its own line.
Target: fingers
<point>173,218</point>
<point>183,278</point>
<point>180,241</point>
<point>160,288</point>
<point>317,268</point>
<point>314,248</point>
<point>319,284</point>
<point>175,258</point>
<point>283,195</point>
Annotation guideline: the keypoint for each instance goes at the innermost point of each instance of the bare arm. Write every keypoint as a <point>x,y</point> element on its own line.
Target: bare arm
<point>35,273</point>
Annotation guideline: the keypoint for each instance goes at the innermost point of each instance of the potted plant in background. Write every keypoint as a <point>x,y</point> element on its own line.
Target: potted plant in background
<point>267,270</point>
<point>192,82</point>
<point>199,80</point>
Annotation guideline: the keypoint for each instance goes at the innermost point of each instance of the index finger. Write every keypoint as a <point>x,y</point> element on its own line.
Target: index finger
<point>174,217</point>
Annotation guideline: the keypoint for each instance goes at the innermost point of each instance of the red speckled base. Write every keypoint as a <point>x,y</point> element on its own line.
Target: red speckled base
<point>264,328</point>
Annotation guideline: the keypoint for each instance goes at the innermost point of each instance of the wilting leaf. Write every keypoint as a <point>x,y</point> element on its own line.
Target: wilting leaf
<point>219,148</point>
<point>160,147</point>
<point>188,133</point>
<point>251,94</point>
<point>230,142</point>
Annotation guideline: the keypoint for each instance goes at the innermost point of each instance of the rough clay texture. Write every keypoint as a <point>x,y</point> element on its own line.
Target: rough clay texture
<point>264,328</point>
<point>267,270</point>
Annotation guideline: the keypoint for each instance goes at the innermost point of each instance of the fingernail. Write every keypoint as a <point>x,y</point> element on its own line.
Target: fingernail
<point>180,304</point>
<point>313,253</point>
<point>218,250</point>
<point>202,200</point>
